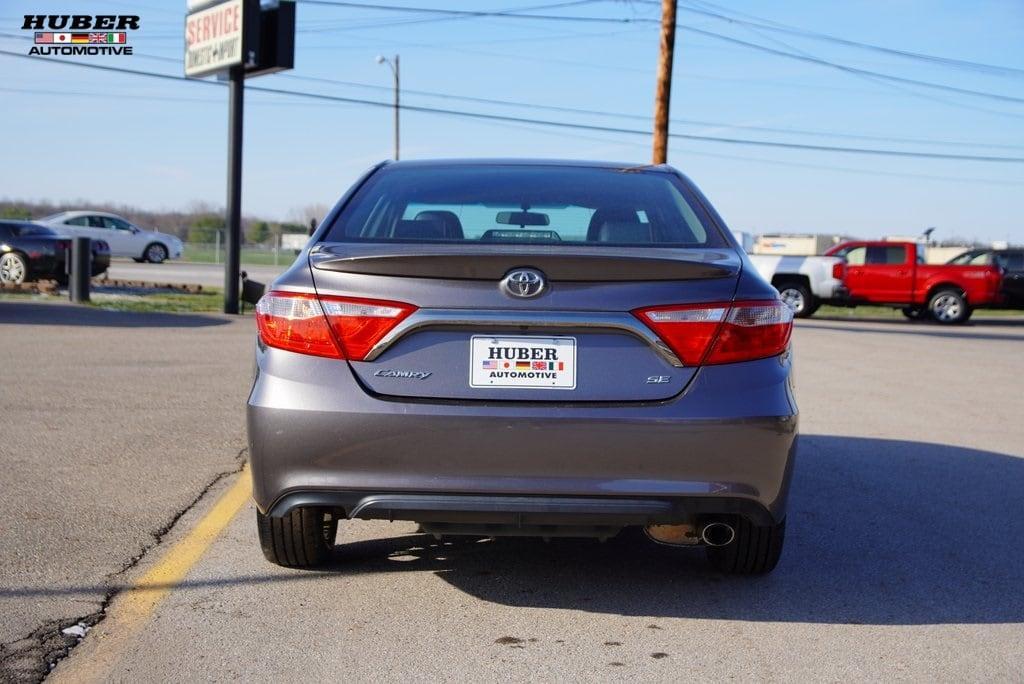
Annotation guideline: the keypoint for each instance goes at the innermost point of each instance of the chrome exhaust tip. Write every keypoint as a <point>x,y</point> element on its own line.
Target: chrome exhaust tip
<point>717,534</point>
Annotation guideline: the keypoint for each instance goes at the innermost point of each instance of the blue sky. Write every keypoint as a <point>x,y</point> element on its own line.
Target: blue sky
<point>71,133</point>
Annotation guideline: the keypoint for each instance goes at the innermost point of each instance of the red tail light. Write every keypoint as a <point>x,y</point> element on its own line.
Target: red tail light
<point>838,270</point>
<point>336,327</point>
<point>721,333</point>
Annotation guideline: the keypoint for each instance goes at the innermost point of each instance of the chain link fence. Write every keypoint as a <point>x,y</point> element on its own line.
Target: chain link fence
<point>280,251</point>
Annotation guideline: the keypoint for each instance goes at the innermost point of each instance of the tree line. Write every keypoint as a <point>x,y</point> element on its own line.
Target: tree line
<point>198,223</point>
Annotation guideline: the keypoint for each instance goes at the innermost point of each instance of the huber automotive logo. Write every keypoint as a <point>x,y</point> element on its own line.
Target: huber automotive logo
<point>80,34</point>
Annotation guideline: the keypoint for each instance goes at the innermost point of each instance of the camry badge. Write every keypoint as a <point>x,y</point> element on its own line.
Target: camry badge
<point>411,375</point>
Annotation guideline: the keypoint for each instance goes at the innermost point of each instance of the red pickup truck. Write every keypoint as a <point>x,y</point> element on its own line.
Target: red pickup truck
<point>894,274</point>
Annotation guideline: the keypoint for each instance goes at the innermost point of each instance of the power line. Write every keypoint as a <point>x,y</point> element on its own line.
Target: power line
<point>690,29</point>
<point>503,14</point>
<point>805,33</point>
<point>574,110</point>
<point>106,95</point>
<point>887,84</point>
<point>544,122</point>
<point>853,70</point>
<point>617,115</point>
<point>431,19</point>
<point>569,110</point>
<point>642,117</point>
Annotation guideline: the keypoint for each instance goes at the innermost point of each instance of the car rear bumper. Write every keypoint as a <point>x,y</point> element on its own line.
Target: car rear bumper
<point>724,445</point>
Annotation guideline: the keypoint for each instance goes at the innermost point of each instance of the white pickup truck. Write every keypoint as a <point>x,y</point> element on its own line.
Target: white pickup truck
<point>804,282</point>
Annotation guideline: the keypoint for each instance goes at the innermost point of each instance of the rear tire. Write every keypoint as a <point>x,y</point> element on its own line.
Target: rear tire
<point>798,298</point>
<point>949,307</point>
<point>754,551</point>
<point>302,539</point>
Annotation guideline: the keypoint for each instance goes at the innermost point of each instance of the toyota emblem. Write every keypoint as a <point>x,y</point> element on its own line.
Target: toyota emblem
<point>523,282</point>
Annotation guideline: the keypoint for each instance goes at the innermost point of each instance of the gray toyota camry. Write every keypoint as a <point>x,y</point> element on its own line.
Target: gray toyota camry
<point>520,347</point>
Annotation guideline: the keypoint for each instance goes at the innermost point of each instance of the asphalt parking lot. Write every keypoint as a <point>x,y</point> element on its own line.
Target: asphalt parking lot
<point>112,425</point>
<point>902,561</point>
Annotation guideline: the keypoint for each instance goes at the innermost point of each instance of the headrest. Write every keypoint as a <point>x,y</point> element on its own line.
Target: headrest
<point>419,230</point>
<point>448,219</point>
<point>615,231</point>
<point>609,215</point>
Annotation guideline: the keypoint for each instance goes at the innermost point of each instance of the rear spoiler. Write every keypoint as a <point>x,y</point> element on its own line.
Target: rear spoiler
<point>677,264</point>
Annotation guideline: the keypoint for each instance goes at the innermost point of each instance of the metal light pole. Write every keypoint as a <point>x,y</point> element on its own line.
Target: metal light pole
<point>393,63</point>
<point>232,259</point>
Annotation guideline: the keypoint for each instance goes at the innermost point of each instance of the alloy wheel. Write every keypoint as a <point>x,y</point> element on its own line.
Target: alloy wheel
<point>794,299</point>
<point>156,253</point>
<point>12,269</point>
<point>947,308</point>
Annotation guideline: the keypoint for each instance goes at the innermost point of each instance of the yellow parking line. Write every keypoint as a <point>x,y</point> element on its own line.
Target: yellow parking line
<point>133,608</point>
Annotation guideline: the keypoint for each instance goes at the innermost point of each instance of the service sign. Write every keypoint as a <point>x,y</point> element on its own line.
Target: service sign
<point>213,38</point>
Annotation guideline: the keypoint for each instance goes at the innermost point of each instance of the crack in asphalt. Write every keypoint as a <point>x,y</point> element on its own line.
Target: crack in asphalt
<point>32,657</point>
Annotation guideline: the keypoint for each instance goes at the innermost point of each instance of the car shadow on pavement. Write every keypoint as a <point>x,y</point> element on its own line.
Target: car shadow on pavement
<point>879,532</point>
<point>27,313</point>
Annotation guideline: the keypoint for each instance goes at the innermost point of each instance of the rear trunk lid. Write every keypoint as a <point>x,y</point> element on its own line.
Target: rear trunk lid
<point>470,339</point>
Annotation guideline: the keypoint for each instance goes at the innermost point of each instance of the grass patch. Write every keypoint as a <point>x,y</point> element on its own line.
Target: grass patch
<point>13,296</point>
<point>135,300</point>
<point>255,257</point>
<point>207,301</point>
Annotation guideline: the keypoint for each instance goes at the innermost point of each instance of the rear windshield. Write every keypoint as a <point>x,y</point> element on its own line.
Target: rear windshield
<point>525,205</point>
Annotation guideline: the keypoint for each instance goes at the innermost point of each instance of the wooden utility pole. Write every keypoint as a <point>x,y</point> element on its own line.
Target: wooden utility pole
<point>664,91</point>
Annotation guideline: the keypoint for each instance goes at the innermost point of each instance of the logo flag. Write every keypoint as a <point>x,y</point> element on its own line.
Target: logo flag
<point>47,38</point>
<point>490,365</point>
<point>522,365</point>
<point>540,365</point>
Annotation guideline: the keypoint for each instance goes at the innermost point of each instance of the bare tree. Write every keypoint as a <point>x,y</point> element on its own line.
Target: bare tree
<point>303,215</point>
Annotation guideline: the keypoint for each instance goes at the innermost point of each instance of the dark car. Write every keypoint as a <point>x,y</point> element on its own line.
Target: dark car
<point>524,348</point>
<point>1011,261</point>
<point>30,251</point>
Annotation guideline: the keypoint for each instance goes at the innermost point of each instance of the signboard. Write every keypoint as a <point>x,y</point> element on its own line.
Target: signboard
<point>277,40</point>
<point>213,38</point>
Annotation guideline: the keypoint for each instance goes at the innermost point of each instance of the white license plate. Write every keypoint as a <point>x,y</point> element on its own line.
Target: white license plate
<point>534,362</point>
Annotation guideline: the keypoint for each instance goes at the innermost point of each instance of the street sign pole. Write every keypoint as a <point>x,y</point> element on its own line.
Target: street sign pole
<point>239,38</point>
<point>232,262</point>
